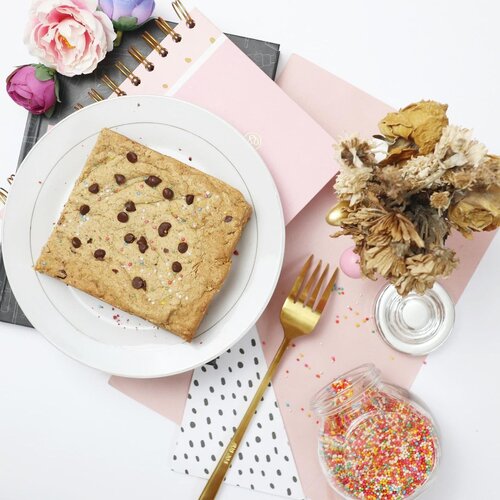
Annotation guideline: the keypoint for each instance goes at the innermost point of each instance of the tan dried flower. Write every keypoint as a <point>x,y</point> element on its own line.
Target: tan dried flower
<point>488,172</point>
<point>440,200</point>
<point>387,261</point>
<point>423,270</point>
<point>400,211</point>
<point>456,148</point>
<point>398,227</point>
<point>356,160</point>
<point>459,178</point>
<point>432,227</point>
<point>352,151</point>
<point>421,123</point>
<point>476,211</point>
<point>418,173</point>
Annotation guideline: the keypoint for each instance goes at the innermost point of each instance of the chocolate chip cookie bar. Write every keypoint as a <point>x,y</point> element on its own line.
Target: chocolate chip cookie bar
<point>146,233</point>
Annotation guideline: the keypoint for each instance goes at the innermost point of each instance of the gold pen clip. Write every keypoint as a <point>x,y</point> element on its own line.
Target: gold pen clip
<point>183,14</point>
<point>124,70</point>
<point>154,43</point>
<point>140,58</point>
<point>78,106</point>
<point>164,26</point>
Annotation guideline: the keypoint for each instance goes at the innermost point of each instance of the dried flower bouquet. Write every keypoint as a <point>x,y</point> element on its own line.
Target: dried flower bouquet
<point>401,194</point>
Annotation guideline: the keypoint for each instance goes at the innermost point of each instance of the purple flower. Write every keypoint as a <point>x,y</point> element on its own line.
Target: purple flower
<point>33,87</point>
<point>127,15</point>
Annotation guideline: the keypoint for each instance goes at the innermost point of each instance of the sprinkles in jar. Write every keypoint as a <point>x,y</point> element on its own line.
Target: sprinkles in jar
<point>376,442</point>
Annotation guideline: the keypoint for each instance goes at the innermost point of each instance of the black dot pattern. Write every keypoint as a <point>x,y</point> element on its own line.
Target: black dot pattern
<point>220,392</point>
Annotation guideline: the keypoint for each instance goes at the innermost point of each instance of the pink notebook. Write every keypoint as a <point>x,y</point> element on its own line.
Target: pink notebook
<point>346,336</point>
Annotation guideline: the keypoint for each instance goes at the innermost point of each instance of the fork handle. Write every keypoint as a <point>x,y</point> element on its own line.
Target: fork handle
<point>215,480</point>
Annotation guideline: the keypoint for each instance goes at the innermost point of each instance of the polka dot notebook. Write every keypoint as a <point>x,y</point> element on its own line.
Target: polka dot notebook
<point>218,397</point>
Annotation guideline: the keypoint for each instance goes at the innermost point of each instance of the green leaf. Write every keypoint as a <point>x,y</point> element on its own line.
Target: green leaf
<point>125,23</point>
<point>49,112</point>
<point>43,73</point>
<point>57,88</point>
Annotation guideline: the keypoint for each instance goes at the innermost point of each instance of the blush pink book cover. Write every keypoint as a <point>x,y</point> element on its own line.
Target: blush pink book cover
<point>346,336</point>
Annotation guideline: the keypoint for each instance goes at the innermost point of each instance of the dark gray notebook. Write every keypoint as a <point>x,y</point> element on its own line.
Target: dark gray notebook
<point>75,90</point>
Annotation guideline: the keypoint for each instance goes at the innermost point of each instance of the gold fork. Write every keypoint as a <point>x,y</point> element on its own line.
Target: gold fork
<point>299,316</point>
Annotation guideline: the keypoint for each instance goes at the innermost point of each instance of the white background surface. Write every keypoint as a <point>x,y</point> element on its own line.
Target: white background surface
<point>65,434</point>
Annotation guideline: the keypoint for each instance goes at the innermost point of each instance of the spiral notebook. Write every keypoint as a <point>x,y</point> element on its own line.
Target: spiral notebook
<point>82,90</point>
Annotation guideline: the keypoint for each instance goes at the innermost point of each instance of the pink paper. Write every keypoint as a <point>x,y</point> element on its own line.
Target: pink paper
<point>207,69</point>
<point>345,337</point>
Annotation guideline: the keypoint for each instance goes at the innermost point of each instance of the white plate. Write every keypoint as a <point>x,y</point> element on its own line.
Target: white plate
<point>90,330</point>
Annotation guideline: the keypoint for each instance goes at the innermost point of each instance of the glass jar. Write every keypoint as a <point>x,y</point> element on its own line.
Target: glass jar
<point>376,442</point>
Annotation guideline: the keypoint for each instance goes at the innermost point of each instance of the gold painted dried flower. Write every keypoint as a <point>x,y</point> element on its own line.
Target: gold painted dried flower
<point>476,211</point>
<point>421,123</point>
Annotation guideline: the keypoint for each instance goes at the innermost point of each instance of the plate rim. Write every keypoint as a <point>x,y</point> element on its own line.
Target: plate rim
<point>6,252</point>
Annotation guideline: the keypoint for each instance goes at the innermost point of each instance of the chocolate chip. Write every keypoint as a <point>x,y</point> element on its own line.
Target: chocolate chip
<point>142,244</point>
<point>120,179</point>
<point>152,181</point>
<point>122,217</point>
<point>90,240</point>
<point>182,247</point>
<point>168,194</point>
<point>76,242</point>
<point>164,228</point>
<point>62,274</point>
<point>99,254</point>
<point>189,199</point>
<point>165,250</point>
<point>131,157</point>
<point>84,209</point>
<point>130,206</point>
<point>94,188</point>
<point>129,238</point>
<point>138,283</point>
<point>228,218</point>
<point>176,267</point>
<point>115,271</point>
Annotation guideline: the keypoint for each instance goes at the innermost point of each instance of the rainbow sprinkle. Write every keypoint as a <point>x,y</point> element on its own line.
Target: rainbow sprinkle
<point>377,447</point>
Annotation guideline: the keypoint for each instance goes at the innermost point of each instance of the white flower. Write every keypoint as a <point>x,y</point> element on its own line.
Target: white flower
<point>456,148</point>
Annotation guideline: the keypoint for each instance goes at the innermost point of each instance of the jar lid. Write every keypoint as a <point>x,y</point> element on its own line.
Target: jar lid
<point>414,324</point>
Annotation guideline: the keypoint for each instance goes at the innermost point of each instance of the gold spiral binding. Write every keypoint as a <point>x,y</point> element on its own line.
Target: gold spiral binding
<point>78,106</point>
<point>112,85</point>
<point>125,71</point>
<point>3,195</point>
<point>163,25</point>
<point>10,179</point>
<point>183,14</point>
<point>154,43</point>
<point>140,58</point>
<point>95,95</point>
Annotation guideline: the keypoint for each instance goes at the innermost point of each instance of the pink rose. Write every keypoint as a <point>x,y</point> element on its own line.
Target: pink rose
<point>26,89</point>
<point>70,36</point>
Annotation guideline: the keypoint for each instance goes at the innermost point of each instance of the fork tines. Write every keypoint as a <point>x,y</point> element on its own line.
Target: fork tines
<point>306,297</point>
